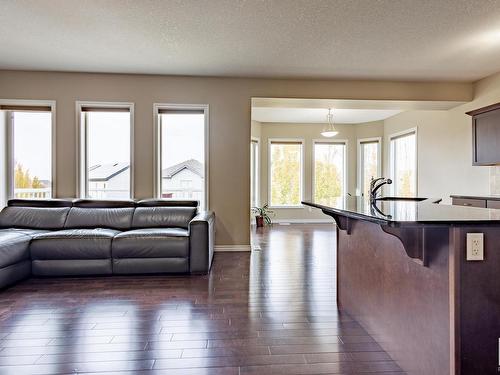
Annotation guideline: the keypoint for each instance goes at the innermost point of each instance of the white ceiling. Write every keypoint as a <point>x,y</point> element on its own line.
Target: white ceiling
<point>384,39</point>
<point>318,115</point>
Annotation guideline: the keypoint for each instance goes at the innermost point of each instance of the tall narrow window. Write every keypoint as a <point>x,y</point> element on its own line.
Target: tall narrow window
<point>369,163</point>
<point>404,164</point>
<point>182,153</point>
<point>105,151</point>
<point>29,131</point>
<point>254,173</point>
<point>329,170</point>
<point>285,172</point>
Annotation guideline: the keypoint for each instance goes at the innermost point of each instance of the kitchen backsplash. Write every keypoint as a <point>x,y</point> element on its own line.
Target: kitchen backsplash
<point>495,180</point>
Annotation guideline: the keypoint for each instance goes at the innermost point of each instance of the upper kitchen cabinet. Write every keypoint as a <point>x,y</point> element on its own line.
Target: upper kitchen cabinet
<point>486,135</point>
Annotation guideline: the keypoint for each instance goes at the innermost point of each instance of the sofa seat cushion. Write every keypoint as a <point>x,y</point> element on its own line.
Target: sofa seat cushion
<point>73,244</point>
<point>14,247</point>
<point>29,232</point>
<point>152,243</point>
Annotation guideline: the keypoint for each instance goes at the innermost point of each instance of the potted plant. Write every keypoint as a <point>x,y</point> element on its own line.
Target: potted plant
<point>263,215</point>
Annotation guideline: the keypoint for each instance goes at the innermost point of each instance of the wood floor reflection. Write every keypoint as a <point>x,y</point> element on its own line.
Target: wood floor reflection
<point>269,312</point>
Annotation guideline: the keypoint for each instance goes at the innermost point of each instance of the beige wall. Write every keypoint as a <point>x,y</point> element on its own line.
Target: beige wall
<point>229,101</point>
<point>370,129</point>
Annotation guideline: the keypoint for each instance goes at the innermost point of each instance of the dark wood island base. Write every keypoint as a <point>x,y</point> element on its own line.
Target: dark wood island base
<point>409,284</point>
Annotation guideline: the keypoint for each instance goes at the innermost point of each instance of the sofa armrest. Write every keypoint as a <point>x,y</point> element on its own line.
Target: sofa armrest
<point>201,242</point>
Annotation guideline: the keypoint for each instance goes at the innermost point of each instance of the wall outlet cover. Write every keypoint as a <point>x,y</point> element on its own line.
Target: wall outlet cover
<point>475,246</point>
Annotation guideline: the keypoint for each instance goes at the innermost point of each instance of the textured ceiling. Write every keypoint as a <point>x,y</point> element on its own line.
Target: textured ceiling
<point>360,39</point>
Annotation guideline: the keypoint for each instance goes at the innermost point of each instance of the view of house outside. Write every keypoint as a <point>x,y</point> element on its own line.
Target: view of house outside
<point>108,171</point>
<point>183,156</point>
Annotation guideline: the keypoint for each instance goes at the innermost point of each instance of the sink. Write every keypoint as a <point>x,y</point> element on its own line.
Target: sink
<point>409,199</point>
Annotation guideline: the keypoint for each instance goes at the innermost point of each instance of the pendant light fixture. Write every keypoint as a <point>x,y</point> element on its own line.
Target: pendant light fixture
<point>329,131</point>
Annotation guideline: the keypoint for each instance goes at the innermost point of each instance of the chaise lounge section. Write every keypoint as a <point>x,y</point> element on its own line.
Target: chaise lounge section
<point>80,237</point>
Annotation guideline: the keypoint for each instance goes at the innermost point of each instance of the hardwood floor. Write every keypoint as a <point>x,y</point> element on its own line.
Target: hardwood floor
<point>269,312</point>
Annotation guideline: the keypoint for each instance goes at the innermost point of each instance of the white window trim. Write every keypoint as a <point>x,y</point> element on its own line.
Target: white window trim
<point>157,145</point>
<point>81,165</point>
<point>391,157</point>
<point>9,147</point>
<point>302,171</point>
<point>346,155</point>
<point>379,161</point>
<point>257,169</point>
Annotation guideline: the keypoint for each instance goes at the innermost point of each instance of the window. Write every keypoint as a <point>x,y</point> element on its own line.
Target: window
<point>29,150</point>
<point>329,160</point>
<point>403,162</point>
<point>254,173</point>
<point>369,165</point>
<point>285,172</point>
<point>105,165</point>
<point>181,160</point>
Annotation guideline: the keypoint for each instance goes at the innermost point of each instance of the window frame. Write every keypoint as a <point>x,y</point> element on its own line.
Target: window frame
<point>345,142</point>
<point>257,170</point>
<point>81,145</point>
<point>9,147</point>
<point>269,170</point>
<point>392,166</point>
<point>157,149</point>
<point>361,141</point>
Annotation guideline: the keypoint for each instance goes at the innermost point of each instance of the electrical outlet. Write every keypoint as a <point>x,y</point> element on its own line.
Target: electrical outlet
<point>475,246</point>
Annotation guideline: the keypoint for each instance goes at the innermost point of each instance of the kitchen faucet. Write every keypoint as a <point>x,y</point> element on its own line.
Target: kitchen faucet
<point>376,184</point>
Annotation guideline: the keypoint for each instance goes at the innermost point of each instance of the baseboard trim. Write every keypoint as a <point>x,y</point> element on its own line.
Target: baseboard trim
<point>303,221</point>
<point>230,248</point>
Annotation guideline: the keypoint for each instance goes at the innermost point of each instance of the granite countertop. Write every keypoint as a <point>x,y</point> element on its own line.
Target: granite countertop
<point>426,211</point>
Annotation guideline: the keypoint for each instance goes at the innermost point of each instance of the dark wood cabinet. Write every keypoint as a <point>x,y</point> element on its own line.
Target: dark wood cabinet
<point>486,135</point>
<point>469,202</point>
<point>476,201</point>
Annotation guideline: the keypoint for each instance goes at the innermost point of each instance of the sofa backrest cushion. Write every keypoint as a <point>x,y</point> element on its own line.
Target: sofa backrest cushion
<point>163,217</point>
<point>101,203</point>
<point>33,217</point>
<point>114,218</point>
<point>166,203</point>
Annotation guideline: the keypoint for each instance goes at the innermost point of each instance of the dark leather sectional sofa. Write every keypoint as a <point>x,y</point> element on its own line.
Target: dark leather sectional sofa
<point>59,237</point>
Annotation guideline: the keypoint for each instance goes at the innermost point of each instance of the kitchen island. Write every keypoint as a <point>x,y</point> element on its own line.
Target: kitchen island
<point>403,275</point>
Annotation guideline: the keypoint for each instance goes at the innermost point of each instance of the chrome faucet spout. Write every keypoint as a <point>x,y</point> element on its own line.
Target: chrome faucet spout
<point>376,184</point>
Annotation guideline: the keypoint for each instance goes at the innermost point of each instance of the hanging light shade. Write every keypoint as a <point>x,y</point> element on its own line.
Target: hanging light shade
<point>329,131</point>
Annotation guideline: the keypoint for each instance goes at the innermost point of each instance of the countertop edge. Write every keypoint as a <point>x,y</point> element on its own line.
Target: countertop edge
<point>390,222</point>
